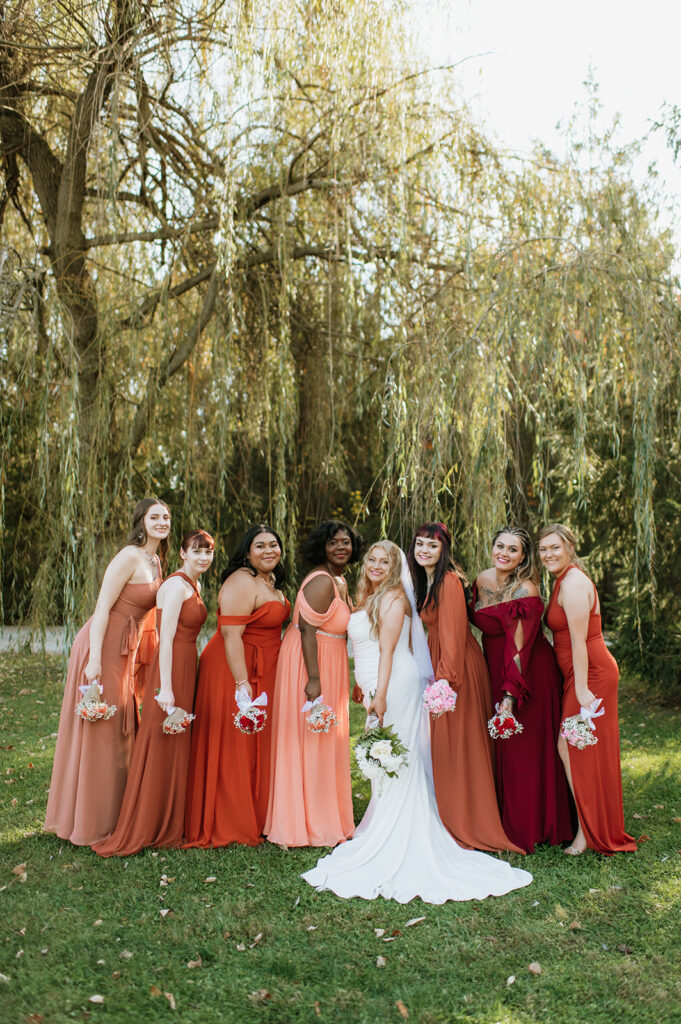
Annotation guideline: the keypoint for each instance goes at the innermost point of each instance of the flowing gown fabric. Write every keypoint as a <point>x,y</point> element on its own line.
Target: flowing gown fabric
<point>401,849</point>
<point>463,758</point>
<point>92,759</point>
<point>533,793</point>
<point>229,771</point>
<point>152,813</point>
<point>311,794</point>
<point>596,773</point>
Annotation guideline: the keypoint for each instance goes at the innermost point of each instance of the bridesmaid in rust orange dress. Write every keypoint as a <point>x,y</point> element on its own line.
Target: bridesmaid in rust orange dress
<point>229,771</point>
<point>92,759</point>
<point>152,813</point>
<point>311,795</point>
<point>590,672</point>
<point>463,760</point>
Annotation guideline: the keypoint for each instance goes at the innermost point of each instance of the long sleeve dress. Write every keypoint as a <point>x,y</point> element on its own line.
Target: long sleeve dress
<point>463,759</point>
<point>532,789</point>
<point>596,773</point>
<point>92,759</point>
<point>152,813</point>
<point>229,771</point>
<point>311,795</point>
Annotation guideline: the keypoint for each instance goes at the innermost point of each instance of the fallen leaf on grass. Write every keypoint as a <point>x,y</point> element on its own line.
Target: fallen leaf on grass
<point>4,979</point>
<point>404,1012</point>
<point>19,954</point>
<point>171,1000</point>
<point>96,999</point>
<point>575,926</point>
<point>211,878</point>
<point>311,928</point>
<point>317,1008</point>
<point>413,921</point>
<point>34,1018</point>
<point>259,996</point>
<point>19,869</point>
<point>101,962</point>
<point>395,932</point>
<point>125,954</point>
<point>677,820</point>
<point>389,938</point>
<point>165,911</point>
<point>155,991</point>
<point>45,950</point>
<point>534,968</point>
<point>256,940</point>
<point>97,923</point>
<point>195,963</point>
<point>14,801</point>
<point>643,839</point>
<point>380,961</point>
<point>658,807</point>
<point>115,975</point>
<point>510,980</point>
<point>379,932</point>
<point>240,946</point>
<point>623,948</point>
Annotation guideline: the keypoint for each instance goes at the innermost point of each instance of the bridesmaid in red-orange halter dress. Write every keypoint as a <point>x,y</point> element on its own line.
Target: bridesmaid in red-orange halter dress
<point>92,759</point>
<point>589,672</point>
<point>152,813</point>
<point>311,794</point>
<point>462,751</point>
<point>229,771</point>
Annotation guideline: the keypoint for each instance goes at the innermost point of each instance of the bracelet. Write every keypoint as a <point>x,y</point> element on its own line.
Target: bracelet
<point>242,682</point>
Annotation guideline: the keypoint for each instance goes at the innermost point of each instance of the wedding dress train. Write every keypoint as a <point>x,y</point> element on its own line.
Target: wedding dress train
<point>401,849</point>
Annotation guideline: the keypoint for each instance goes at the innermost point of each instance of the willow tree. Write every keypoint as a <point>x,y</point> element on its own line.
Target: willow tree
<point>311,284</point>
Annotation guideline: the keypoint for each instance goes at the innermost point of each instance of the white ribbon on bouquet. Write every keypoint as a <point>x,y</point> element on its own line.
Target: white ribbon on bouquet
<point>245,703</point>
<point>588,714</point>
<point>309,704</point>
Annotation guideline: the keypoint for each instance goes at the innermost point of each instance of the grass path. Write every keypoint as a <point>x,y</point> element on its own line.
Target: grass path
<point>257,944</point>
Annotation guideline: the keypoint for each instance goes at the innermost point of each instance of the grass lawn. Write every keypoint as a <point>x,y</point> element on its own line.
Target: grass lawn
<point>244,939</point>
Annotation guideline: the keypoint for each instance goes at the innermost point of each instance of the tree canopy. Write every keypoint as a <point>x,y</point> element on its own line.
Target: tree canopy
<point>257,259</point>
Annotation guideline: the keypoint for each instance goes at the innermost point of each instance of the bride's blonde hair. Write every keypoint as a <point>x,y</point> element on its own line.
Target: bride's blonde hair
<point>371,601</point>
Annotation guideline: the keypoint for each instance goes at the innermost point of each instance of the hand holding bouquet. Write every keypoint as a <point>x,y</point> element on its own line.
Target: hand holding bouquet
<point>251,716</point>
<point>439,697</point>
<point>380,754</point>
<point>579,730</point>
<point>319,717</point>
<point>91,707</point>
<point>503,724</point>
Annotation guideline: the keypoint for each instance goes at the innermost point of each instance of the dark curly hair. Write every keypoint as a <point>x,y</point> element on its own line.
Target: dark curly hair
<point>314,546</point>
<point>239,559</point>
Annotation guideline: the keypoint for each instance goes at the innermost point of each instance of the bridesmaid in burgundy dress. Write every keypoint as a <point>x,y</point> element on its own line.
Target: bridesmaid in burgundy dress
<point>92,759</point>
<point>152,813</point>
<point>531,786</point>
<point>229,771</point>
<point>590,672</point>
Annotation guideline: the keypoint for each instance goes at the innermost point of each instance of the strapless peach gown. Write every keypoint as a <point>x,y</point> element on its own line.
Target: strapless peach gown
<point>311,795</point>
<point>92,759</point>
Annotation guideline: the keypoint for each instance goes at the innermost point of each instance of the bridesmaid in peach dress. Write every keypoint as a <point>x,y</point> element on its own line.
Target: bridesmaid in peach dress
<point>92,759</point>
<point>152,813</point>
<point>589,672</point>
<point>462,751</point>
<point>229,771</point>
<point>311,797</point>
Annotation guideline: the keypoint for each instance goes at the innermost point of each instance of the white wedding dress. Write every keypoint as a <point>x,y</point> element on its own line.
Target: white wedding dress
<point>401,849</point>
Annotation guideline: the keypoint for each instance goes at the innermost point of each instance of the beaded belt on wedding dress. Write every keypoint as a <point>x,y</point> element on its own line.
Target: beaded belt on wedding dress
<point>334,636</point>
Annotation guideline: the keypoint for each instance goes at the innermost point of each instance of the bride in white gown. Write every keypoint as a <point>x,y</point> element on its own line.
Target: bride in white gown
<point>401,849</point>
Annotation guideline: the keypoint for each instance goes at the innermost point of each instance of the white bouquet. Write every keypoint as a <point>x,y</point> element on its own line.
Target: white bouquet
<point>380,754</point>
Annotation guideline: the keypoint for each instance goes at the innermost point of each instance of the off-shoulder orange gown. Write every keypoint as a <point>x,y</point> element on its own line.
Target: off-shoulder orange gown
<point>311,794</point>
<point>92,759</point>
<point>229,771</point>
<point>596,773</point>
<point>463,758</point>
<point>152,813</point>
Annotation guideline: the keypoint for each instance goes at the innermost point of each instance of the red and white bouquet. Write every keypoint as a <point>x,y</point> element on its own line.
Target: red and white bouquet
<point>92,708</point>
<point>503,724</point>
<point>251,716</point>
<point>579,730</point>
<point>439,697</point>
<point>319,717</point>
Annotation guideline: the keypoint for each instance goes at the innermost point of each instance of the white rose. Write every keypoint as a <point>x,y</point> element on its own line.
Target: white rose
<point>380,749</point>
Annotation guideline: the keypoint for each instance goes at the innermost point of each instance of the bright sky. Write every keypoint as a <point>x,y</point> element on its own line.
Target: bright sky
<point>536,54</point>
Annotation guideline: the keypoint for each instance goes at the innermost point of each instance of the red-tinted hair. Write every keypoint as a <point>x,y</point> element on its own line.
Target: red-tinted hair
<point>197,539</point>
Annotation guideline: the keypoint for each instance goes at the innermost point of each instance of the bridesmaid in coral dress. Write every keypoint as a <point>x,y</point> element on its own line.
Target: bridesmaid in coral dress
<point>532,789</point>
<point>590,672</point>
<point>152,813</point>
<point>311,796</point>
<point>92,759</point>
<point>463,760</point>
<point>229,771</point>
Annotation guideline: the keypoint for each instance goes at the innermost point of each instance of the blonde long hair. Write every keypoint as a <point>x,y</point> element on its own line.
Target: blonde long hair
<point>371,600</point>
<point>568,538</point>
